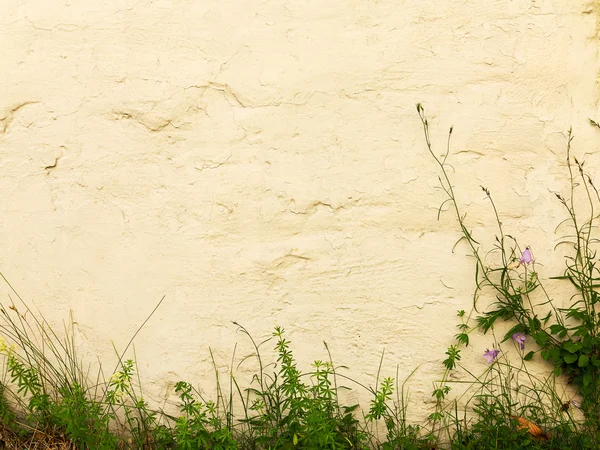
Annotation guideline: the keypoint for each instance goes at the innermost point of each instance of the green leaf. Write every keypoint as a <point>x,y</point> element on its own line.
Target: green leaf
<point>545,354</point>
<point>556,328</point>
<point>528,356</point>
<point>463,338</point>
<point>534,324</point>
<point>540,338</point>
<point>587,379</point>
<point>570,358</point>
<point>545,319</point>
<point>557,371</point>
<point>571,346</point>
<point>583,360</point>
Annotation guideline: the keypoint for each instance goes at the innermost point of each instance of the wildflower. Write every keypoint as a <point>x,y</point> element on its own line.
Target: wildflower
<point>526,257</point>
<point>519,338</point>
<point>491,355</point>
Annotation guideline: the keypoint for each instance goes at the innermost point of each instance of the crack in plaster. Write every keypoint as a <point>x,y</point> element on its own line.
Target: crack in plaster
<point>68,27</point>
<point>56,160</point>
<point>314,206</point>
<point>213,164</point>
<point>422,306</point>
<point>154,124</point>
<point>9,115</point>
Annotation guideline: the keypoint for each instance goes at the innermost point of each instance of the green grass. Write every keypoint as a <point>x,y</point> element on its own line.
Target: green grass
<point>282,407</point>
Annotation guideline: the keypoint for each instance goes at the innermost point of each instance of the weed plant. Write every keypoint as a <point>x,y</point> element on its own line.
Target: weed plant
<point>566,337</point>
<point>46,393</point>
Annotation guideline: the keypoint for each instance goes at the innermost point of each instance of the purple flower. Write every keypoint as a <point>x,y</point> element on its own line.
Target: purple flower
<point>526,257</point>
<point>491,355</point>
<point>519,338</point>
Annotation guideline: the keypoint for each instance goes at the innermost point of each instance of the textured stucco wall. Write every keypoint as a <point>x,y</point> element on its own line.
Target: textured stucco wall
<point>263,162</point>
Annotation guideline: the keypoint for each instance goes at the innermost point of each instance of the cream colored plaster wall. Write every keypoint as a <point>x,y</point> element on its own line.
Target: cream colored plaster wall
<point>263,162</point>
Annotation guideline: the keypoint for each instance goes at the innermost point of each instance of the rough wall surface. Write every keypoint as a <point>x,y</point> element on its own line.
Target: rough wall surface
<point>263,162</point>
